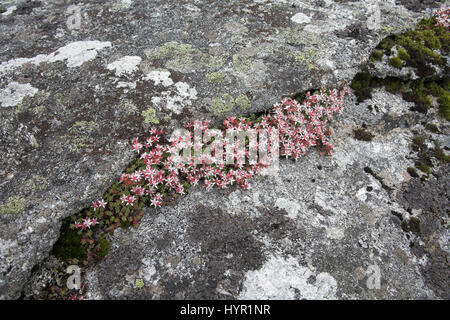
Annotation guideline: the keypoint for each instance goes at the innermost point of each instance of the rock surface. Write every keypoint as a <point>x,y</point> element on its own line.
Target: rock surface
<point>78,80</point>
<point>323,228</point>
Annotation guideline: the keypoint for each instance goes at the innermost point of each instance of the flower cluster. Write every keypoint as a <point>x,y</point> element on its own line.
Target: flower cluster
<point>302,126</point>
<point>86,223</point>
<point>291,128</point>
<point>442,17</point>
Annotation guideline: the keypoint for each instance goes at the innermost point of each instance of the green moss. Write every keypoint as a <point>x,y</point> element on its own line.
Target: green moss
<point>440,90</point>
<point>362,87</point>
<point>396,62</point>
<point>215,77</point>
<point>392,85</point>
<point>419,141</point>
<point>432,127</point>
<point>377,55</point>
<point>243,101</point>
<point>150,116</point>
<point>69,245</point>
<point>412,225</point>
<point>439,154</point>
<point>423,167</point>
<point>14,205</point>
<point>403,54</point>
<point>362,134</point>
<point>104,246</point>
<point>386,45</point>
<point>420,45</point>
<point>412,172</point>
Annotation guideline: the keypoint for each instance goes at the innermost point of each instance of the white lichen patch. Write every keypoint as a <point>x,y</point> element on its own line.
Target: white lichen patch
<point>292,208</point>
<point>77,53</point>
<point>74,54</point>
<point>121,5</point>
<point>176,97</point>
<point>300,18</point>
<point>9,10</point>
<point>185,91</point>
<point>14,92</point>
<point>125,65</point>
<point>281,278</point>
<point>159,77</point>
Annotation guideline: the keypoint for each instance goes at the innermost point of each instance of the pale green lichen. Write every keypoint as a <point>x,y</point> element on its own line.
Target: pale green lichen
<point>215,77</point>
<point>222,104</point>
<point>37,183</point>
<point>150,116</point>
<point>167,118</point>
<point>139,283</point>
<point>61,99</point>
<point>388,29</point>
<point>14,205</point>
<point>243,102</point>
<point>238,39</point>
<point>213,62</point>
<point>126,107</point>
<point>241,63</point>
<point>307,58</point>
<point>299,37</point>
<point>39,110</point>
<point>79,134</point>
<point>178,56</point>
<point>35,104</point>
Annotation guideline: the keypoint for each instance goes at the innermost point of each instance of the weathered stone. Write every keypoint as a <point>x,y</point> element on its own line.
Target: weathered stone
<point>77,81</point>
<point>323,228</point>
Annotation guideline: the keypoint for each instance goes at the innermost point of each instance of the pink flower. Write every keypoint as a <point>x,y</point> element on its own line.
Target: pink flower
<point>87,222</point>
<point>130,200</point>
<point>124,198</point>
<point>102,204</point>
<point>136,146</point>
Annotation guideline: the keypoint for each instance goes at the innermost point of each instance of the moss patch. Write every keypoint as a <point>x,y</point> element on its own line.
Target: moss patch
<point>104,246</point>
<point>396,62</point>
<point>377,55</point>
<point>412,172</point>
<point>422,49</point>
<point>417,47</point>
<point>432,127</point>
<point>362,134</point>
<point>69,245</point>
